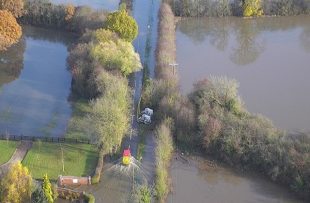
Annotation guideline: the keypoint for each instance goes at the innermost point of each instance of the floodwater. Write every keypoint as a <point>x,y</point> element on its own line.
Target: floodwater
<point>201,182</point>
<point>118,184</point>
<point>269,57</point>
<point>110,5</point>
<point>35,84</point>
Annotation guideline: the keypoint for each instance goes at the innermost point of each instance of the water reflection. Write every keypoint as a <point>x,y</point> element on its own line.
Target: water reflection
<point>268,56</point>
<point>249,43</point>
<point>12,62</point>
<point>249,46</point>
<point>305,39</point>
<point>110,5</point>
<point>36,102</point>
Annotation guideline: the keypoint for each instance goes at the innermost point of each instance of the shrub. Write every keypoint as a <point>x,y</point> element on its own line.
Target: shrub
<point>96,177</point>
<point>163,154</point>
<point>81,69</point>
<point>166,50</point>
<point>221,8</point>
<point>250,141</point>
<point>113,53</point>
<point>44,13</point>
<point>76,19</point>
<point>239,7</point>
<point>288,7</point>
<point>10,31</point>
<point>252,8</point>
<point>89,198</point>
<point>108,119</point>
<point>143,194</point>
<point>47,189</point>
<point>123,24</point>
<point>37,195</point>
<point>16,185</point>
<point>85,18</point>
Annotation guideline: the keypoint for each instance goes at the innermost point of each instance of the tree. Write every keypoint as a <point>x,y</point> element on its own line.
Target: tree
<point>70,10</point>
<point>37,194</point>
<point>114,53</point>
<point>16,185</point>
<point>10,31</point>
<point>123,24</point>
<point>14,6</point>
<point>47,189</point>
<point>252,8</point>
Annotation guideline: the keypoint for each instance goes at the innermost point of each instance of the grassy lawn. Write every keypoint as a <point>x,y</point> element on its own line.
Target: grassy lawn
<point>79,159</point>
<point>7,149</point>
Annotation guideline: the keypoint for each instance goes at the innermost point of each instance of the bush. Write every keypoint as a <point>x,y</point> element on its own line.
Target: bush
<point>96,177</point>
<point>193,8</point>
<point>250,141</point>
<point>113,53</point>
<point>37,195</point>
<point>16,184</point>
<point>166,50</point>
<point>93,54</point>
<point>163,154</point>
<point>47,189</point>
<point>252,8</point>
<point>44,13</point>
<point>85,18</point>
<point>123,24</point>
<point>108,119</point>
<point>76,19</point>
<point>10,31</point>
<point>89,198</point>
<point>144,194</point>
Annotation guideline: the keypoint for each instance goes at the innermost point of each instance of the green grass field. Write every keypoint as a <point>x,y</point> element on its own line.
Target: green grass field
<point>79,159</point>
<point>7,149</point>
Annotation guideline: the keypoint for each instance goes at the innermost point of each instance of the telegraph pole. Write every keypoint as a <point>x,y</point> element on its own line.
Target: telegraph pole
<point>174,65</point>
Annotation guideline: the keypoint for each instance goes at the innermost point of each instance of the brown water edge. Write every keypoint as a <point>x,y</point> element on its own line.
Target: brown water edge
<point>201,180</point>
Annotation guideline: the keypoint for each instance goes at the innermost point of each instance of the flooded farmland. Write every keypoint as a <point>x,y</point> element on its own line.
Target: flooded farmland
<point>34,93</point>
<point>269,57</point>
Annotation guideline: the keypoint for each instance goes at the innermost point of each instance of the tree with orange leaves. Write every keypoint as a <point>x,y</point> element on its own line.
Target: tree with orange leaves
<point>70,10</point>
<point>10,30</point>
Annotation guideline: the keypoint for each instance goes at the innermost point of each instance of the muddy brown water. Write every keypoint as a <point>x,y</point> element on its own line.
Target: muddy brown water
<point>198,182</point>
<point>268,56</point>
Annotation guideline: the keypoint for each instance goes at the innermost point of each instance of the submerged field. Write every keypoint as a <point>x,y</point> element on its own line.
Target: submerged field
<point>50,158</point>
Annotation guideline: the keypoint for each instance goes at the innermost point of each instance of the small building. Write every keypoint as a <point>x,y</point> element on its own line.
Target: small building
<point>73,180</point>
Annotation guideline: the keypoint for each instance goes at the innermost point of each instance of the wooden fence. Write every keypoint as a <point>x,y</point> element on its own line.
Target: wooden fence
<point>44,139</point>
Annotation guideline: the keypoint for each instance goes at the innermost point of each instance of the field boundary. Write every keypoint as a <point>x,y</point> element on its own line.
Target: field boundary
<point>45,139</point>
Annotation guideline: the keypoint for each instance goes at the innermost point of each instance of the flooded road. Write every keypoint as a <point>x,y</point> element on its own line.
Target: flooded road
<point>35,85</point>
<point>269,57</point>
<point>118,184</point>
<point>110,5</point>
<point>201,182</point>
